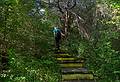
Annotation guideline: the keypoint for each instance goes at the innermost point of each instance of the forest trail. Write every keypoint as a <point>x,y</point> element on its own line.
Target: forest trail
<point>73,68</point>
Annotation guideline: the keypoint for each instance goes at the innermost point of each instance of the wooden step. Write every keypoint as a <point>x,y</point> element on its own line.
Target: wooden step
<point>60,52</point>
<point>66,59</point>
<point>74,70</point>
<point>62,55</point>
<point>77,77</point>
<point>72,65</point>
<point>78,81</point>
<point>69,59</point>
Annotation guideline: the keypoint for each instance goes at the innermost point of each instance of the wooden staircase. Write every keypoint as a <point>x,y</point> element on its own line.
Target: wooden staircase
<point>73,69</point>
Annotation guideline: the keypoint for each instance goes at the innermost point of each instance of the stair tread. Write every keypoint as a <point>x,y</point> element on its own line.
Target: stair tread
<point>74,70</point>
<point>78,81</point>
<point>60,52</point>
<point>63,55</point>
<point>76,65</point>
<point>77,76</point>
<point>69,59</point>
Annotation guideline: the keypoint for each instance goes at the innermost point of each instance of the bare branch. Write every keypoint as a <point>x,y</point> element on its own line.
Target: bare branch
<point>60,9</point>
<point>80,18</point>
<point>81,29</point>
<point>74,4</point>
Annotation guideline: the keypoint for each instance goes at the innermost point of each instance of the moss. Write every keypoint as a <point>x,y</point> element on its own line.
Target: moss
<point>77,76</point>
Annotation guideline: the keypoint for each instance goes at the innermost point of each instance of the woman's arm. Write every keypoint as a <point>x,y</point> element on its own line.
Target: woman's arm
<point>62,34</point>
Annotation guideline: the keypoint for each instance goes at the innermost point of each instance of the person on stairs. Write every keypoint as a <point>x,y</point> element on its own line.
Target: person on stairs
<point>57,34</point>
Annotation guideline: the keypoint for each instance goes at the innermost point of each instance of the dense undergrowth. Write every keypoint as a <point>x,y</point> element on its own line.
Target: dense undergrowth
<point>27,41</point>
<point>26,68</point>
<point>102,50</point>
<point>102,57</point>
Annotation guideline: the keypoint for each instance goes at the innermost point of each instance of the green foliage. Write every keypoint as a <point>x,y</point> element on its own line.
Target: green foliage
<point>9,2</point>
<point>102,59</point>
<point>32,69</point>
<point>115,3</point>
<point>28,41</point>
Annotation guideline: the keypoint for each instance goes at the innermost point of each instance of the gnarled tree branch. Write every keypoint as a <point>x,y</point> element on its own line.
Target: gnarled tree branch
<point>60,9</point>
<point>74,4</point>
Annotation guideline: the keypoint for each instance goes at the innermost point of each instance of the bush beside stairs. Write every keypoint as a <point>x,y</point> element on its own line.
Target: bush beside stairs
<point>73,68</point>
